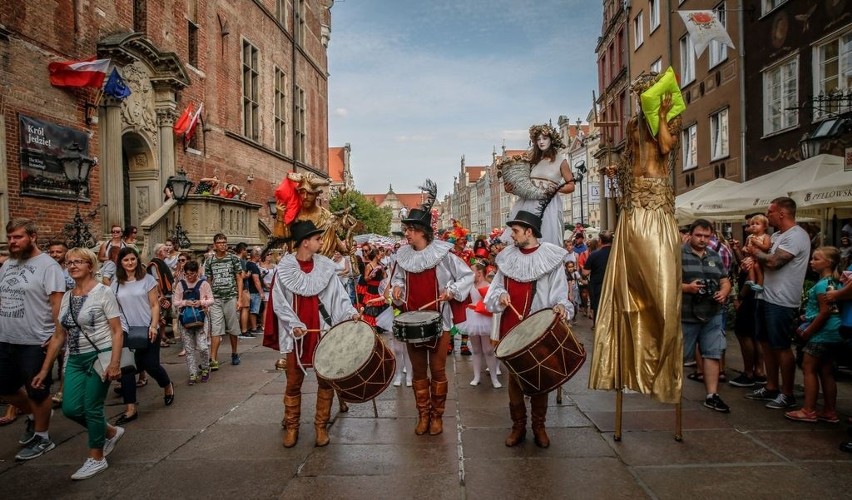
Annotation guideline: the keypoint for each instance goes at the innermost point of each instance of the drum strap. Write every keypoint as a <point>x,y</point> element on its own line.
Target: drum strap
<point>324,313</point>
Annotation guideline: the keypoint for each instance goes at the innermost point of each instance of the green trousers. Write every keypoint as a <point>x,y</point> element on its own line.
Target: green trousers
<point>83,396</point>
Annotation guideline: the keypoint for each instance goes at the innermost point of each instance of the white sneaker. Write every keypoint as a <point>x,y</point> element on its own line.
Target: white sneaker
<point>397,381</point>
<point>475,381</point>
<point>90,468</point>
<point>109,444</point>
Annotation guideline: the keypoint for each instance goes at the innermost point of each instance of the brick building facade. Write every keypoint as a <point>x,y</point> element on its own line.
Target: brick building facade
<point>258,66</point>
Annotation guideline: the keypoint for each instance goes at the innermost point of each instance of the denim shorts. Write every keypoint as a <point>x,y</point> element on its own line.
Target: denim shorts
<point>824,351</point>
<point>774,324</point>
<point>254,303</point>
<point>709,336</point>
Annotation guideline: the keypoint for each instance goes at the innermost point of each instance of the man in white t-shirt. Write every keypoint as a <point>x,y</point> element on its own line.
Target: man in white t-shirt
<point>31,288</point>
<point>778,305</point>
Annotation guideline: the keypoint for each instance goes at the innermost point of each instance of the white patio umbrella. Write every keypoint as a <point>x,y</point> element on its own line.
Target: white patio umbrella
<point>703,192</point>
<point>756,194</point>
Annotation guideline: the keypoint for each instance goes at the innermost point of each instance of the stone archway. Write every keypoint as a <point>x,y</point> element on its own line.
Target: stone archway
<point>140,181</point>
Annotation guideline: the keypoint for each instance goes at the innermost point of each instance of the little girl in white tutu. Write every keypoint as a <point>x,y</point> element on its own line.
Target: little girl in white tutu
<point>478,328</point>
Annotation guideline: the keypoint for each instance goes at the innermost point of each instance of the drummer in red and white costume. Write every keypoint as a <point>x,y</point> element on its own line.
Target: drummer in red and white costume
<point>308,298</point>
<point>426,271</point>
<point>530,277</point>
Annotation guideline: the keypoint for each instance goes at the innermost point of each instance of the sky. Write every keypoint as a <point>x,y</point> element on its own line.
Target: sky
<point>416,84</point>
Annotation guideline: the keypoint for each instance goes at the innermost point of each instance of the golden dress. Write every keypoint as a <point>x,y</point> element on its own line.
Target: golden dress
<point>638,340</point>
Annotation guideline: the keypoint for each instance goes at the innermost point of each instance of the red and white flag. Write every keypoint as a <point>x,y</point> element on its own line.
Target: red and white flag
<point>193,122</point>
<point>182,123</point>
<point>88,73</point>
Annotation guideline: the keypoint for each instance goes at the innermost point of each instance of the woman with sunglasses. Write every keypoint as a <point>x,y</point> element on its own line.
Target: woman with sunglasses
<point>109,249</point>
<point>131,234</point>
<point>137,296</point>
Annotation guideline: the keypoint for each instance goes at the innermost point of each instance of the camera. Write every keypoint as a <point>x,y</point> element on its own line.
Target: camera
<point>709,288</point>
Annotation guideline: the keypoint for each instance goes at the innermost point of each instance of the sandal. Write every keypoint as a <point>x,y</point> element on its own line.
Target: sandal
<point>6,420</point>
<point>698,377</point>
<point>142,383</point>
<point>164,343</point>
<point>830,418</point>
<point>802,415</point>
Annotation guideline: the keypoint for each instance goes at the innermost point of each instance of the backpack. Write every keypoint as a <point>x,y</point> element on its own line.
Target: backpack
<point>192,316</point>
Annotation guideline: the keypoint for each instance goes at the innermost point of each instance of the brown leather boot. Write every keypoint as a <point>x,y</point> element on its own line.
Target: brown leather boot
<point>519,424</point>
<point>292,414</point>
<point>439,400</point>
<point>538,408</point>
<point>324,399</point>
<point>421,399</point>
<point>518,412</point>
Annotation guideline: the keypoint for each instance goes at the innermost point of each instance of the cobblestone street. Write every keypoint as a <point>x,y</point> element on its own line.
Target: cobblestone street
<point>223,439</point>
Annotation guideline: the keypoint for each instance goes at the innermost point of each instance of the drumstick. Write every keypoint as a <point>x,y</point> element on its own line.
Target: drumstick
<point>377,300</point>
<point>520,316</point>
<point>429,304</point>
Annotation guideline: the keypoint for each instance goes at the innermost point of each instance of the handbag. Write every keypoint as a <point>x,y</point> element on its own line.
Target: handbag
<point>100,364</point>
<point>136,337</point>
<point>191,316</point>
<point>127,364</point>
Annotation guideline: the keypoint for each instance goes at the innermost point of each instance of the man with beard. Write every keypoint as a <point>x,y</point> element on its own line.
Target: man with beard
<point>31,288</point>
<point>529,274</point>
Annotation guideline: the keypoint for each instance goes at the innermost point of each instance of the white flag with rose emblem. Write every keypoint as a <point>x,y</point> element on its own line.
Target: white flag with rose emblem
<point>704,27</point>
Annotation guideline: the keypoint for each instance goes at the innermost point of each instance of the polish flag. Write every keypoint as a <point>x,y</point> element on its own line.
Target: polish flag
<point>88,73</point>
<point>193,122</point>
<point>182,123</point>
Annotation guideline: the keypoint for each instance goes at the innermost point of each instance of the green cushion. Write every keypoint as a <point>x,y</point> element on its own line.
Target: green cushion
<point>651,100</point>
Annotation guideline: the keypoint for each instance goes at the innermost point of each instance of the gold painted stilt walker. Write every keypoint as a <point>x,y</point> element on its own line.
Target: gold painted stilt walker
<point>638,339</point>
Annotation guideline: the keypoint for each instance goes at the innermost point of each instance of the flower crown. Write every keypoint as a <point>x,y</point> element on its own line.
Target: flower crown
<point>549,131</point>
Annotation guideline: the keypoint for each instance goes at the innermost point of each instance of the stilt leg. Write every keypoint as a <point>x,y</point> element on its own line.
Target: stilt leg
<point>618,402</point>
<point>559,395</point>
<point>375,409</point>
<point>678,423</point>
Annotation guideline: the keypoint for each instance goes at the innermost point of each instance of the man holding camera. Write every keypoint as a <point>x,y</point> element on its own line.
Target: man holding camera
<point>705,287</point>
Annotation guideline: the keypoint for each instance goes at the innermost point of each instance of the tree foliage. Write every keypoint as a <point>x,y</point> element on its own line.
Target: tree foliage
<point>373,219</point>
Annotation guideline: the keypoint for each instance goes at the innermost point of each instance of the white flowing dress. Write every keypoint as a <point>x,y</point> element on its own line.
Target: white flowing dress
<point>545,173</point>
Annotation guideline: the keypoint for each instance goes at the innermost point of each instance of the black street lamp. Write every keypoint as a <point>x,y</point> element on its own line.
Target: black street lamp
<point>181,186</point>
<point>580,172</point>
<point>77,167</point>
<point>272,206</point>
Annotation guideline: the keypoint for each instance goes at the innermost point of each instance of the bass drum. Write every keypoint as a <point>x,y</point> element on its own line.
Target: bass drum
<point>541,352</point>
<point>354,361</point>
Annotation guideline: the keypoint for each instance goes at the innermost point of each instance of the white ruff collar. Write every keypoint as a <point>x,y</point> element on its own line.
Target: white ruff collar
<point>532,266</point>
<point>300,283</point>
<point>414,261</point>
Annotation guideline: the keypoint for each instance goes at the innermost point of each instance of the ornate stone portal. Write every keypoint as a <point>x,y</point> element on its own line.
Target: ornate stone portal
<point>137,143</point>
